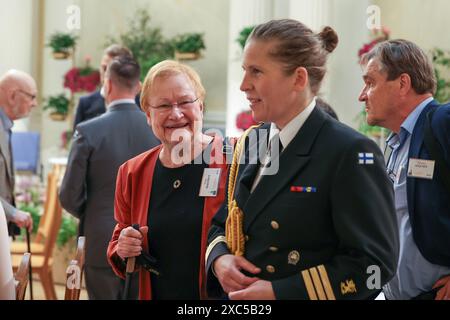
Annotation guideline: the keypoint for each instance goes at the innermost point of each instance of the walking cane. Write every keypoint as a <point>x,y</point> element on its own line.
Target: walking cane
<point>129,272</point>
<point>30,272</point>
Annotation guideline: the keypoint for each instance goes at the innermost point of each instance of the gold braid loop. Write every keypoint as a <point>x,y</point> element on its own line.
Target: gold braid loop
<point>234,230</point>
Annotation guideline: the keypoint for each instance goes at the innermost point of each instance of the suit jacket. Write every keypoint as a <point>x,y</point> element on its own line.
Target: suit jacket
<point>429,200</point>
<point>99,147</point>
<point>92,106</point>
<point>318,244</point>
<point>89,107</point>
<point>6,175</point>
<point>132,200</point>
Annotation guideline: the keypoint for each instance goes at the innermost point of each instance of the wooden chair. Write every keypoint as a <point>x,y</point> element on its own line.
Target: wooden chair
<point>75,273</point>
<point>21,276</point>
<point>45,224</point>
<point>47,233</point>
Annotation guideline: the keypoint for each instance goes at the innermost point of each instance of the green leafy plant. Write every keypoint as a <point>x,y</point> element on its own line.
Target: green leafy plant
<point>368,130</point>
<point>189,42</point>
<point>59,104</point>
<point>62,42</point>
<point>243,35</point>
<point>68,230</point>
<point>147,43</point>
<point>34,212</point>
<point>441,62</point>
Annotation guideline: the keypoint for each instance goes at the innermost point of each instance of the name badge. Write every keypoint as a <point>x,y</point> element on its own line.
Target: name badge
<point>210,182</point>
<point>419,168</point>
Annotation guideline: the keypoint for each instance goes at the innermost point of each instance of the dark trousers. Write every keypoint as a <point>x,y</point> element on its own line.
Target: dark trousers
<point>103,284</point>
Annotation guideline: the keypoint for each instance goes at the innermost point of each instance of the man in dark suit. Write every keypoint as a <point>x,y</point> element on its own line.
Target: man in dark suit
<point>399,87</point>
<point>317,220</point>
<point>99,147</point>
<point>17,98</point>
<point>93,105</point>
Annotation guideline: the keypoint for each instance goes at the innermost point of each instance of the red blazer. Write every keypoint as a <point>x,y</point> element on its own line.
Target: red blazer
<point>133,188</point>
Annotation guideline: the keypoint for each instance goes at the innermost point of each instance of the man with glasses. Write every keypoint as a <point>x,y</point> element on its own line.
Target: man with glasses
<point>99,147</point>
<point>17,98</point>
<point>399,87</point>
<point>93,105</point>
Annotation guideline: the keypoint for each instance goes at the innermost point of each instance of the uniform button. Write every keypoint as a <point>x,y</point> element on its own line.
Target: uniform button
<point>247,238</point>
<point>275,225</point>
<point>270,269</point>
<point>273,249</point>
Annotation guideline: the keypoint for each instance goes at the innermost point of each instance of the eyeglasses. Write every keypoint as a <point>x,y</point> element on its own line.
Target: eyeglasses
<point>183,105</point>
<point>29,95</point>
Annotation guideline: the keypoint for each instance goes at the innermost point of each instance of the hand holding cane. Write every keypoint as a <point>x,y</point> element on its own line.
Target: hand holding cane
<point>129,271</point>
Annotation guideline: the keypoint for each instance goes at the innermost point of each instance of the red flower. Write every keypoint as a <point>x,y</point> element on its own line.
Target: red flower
<point>76,82</point>
<point>244,120</point>
<point>380,36</point>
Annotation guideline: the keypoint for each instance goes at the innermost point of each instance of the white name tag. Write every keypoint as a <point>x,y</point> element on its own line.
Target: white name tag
<point>210,182</point>
<point>419,168</point>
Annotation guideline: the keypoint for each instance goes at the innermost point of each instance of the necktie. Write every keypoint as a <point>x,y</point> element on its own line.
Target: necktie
<point>274,149</point>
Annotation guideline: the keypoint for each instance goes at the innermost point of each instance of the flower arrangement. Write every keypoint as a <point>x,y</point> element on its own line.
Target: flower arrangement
<point>379,35</point>
<point>244,120</point>
<point>82,79</point>
<point>29,197</point>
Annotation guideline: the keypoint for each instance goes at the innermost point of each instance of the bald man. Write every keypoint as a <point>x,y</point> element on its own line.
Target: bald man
<point>17,97</point>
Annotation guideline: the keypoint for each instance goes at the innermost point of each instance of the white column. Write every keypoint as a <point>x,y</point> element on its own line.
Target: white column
<point>242,14</point>
<point>344,79</point>
<point>313,13</point>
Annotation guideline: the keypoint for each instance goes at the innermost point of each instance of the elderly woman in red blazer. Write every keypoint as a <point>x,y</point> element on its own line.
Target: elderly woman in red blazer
<point>171,191</point>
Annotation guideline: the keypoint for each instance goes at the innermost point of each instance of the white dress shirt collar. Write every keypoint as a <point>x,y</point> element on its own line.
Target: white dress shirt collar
<point>291,129</point>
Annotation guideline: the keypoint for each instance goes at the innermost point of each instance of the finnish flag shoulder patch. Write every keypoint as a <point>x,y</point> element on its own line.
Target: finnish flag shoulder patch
<point>365,158</point>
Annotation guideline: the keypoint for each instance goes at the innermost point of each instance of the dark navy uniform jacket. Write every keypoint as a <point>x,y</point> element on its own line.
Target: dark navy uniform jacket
<point>325,241</point>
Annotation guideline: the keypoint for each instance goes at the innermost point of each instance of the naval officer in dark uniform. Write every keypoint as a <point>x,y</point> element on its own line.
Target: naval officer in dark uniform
<point>314,217</point>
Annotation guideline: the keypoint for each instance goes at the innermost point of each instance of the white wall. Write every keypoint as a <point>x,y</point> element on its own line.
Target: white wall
<point>425,22</point>
<point>55,19</point>
<point>101,18</point>
<point>16,23</point>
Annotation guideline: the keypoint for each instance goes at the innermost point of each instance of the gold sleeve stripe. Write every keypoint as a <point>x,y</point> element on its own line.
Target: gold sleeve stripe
<point>318,284</point>
<point>213,244</point>
<point>309,286</point>
<point>326,282</point>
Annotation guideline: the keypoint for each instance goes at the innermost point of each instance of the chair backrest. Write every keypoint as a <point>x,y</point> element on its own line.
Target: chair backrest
<point>26,148</point>
<point>51,218</point>
<point>75,272</point>
<point>21,276</point>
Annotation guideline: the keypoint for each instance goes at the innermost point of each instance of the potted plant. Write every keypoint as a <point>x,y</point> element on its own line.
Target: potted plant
<point>62,44</point>
<point>82,79</point>
<point>59,106</point>
<point>243,35</point>
<point>187,46</point>
<point>146,42</point>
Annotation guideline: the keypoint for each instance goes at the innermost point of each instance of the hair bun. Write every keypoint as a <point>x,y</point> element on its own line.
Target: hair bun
<point>329,39</point>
